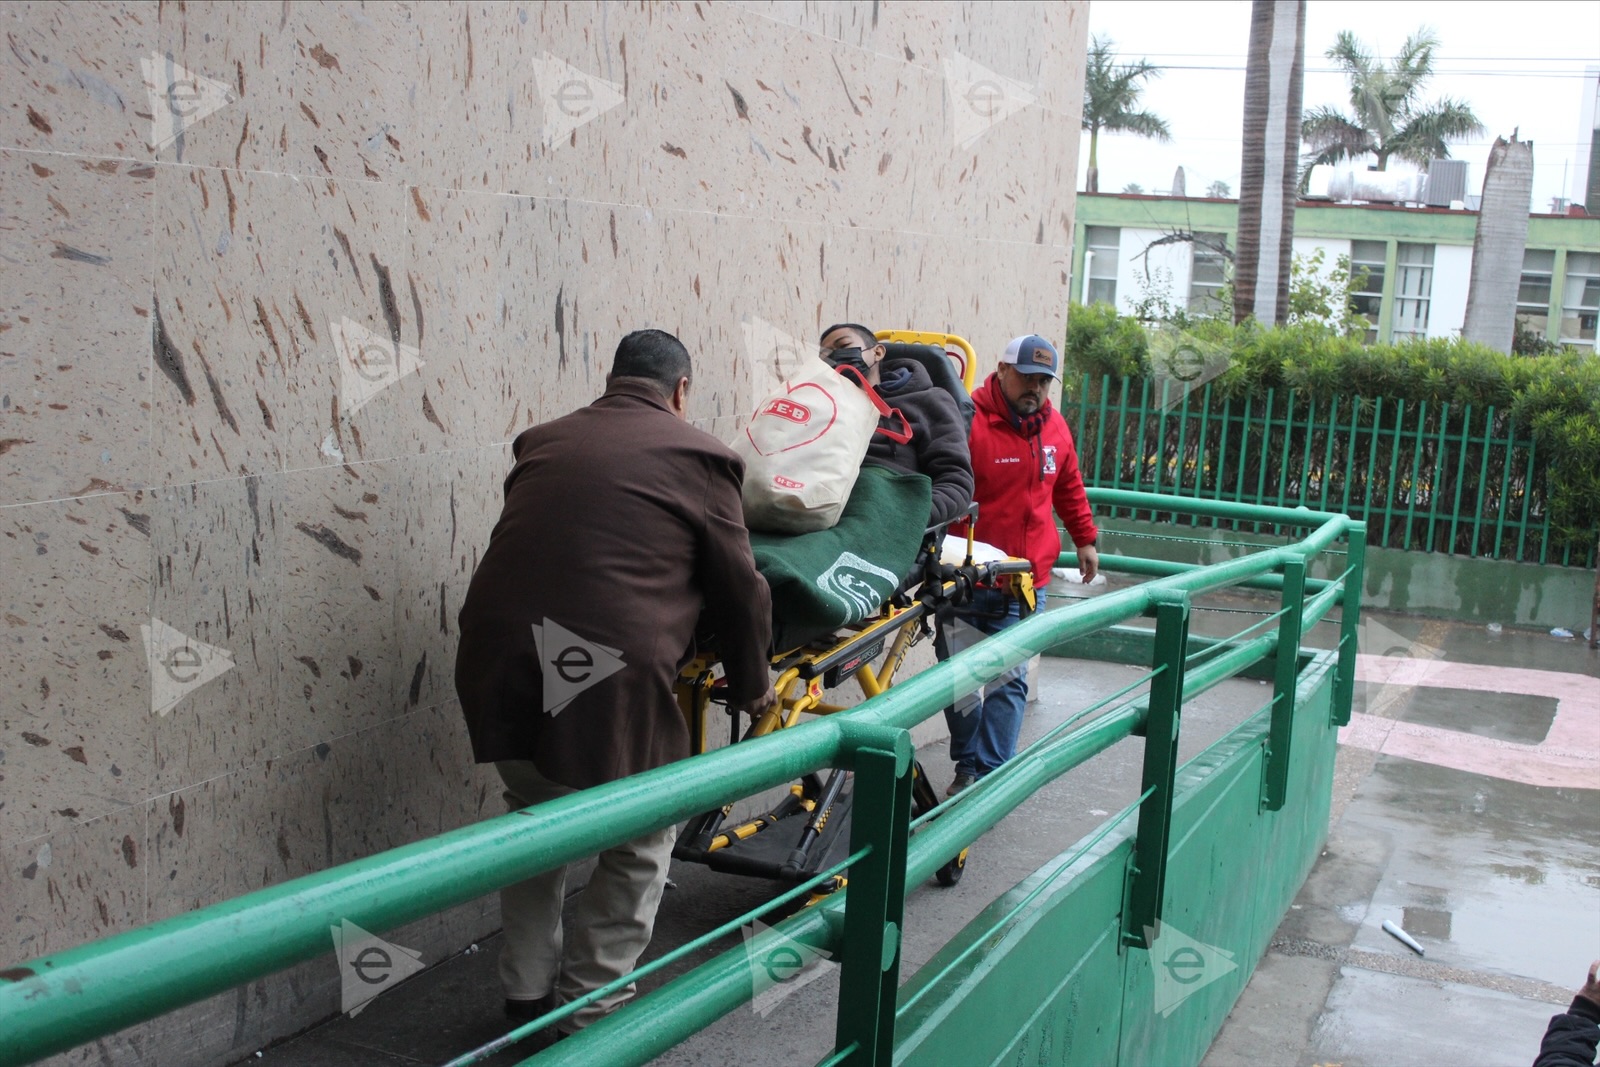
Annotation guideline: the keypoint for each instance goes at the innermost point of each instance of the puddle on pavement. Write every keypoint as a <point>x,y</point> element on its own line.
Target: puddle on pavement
<point>1427,922</point>
<point>1488,874</point>
<point>1512,717</point>
<point>1526,873</point>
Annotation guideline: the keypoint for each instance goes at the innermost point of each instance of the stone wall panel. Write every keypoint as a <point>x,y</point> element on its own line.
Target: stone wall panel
<point>74,92</point>
<point>74,325</point>
<point>77,727</point>
<point>285,281</point>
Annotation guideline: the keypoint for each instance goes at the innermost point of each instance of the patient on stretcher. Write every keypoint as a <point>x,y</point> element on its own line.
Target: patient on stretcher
<point>916,475</point>
<point>938,445</point>
<point>831,578</point>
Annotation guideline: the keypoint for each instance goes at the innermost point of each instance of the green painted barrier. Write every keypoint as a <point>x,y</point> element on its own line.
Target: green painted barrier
<point>58,1002</point>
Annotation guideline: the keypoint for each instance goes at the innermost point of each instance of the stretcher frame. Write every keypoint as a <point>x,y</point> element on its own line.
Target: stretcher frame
<point>806,674</point>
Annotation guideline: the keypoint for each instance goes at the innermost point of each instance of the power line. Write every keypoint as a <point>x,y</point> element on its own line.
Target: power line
<point>1235,62</point>
<point>1451,59</point>
<point>1575,75</point>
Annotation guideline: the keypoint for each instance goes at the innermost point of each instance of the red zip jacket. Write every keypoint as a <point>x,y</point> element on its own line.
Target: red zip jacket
<point>1018,481</point>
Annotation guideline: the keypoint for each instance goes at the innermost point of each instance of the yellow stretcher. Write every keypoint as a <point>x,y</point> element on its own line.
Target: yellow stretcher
<point>807,830</point>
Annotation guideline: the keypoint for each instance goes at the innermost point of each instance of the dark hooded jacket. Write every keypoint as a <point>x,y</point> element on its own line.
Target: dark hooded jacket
<point>938,445</point>
<point>622,523</point>
<point>1571,1038</point>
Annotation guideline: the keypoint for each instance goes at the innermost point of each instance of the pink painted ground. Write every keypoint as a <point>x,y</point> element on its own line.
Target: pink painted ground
<point>1568,757</point>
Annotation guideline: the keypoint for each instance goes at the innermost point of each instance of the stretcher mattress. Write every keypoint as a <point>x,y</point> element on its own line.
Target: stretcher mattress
<point>831,578</point>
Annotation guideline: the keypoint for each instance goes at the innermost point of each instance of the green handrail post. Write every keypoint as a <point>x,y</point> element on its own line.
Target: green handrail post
<point>1393,486</point>
<point>1285,455</point>
<point>1483,480</point>
<point>1369,503</point>
<point>1100,428</point>
<point>1148,873</point>
<point>1441,452</point>
<point>1281,733</point>
<point>875,901</point>
<point>1267,454</point>
<point>1505,490</point>
<point>1244,452</point>
<point>1350,622</point>
<point>1527,498</point>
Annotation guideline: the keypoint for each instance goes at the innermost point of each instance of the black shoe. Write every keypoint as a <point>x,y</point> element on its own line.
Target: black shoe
<point>962,781</point>
<point>523,1011</point>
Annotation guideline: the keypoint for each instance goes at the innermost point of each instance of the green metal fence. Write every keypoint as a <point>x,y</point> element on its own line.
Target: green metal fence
<point>1429,477</point>
<point>56,1003</point>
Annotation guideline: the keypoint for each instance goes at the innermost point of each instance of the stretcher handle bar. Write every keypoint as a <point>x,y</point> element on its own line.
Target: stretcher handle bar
<point>879,631</point>
<point>820,815</point>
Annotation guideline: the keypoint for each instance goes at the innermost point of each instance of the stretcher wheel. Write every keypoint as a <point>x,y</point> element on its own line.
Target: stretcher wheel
<point>951,872</point>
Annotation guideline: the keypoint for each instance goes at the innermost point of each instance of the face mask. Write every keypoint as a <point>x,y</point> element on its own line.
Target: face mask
<point>847,357</point>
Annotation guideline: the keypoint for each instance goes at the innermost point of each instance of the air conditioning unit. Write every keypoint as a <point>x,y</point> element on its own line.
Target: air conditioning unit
<point>1446,182</point>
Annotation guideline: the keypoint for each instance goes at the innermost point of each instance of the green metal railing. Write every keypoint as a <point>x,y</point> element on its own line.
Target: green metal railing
<point>55,1003</point>
<point>1429,477</point>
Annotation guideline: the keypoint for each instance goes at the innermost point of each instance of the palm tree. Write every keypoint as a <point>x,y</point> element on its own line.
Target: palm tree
<point>1274,81</point>
<point>1389,119</point>
<point>1111,94</point>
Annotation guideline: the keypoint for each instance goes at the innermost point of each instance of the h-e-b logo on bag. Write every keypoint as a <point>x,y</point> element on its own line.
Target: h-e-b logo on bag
<point>785,408</point>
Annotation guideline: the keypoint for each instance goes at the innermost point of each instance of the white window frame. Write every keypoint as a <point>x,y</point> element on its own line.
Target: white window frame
<point>1413,290</point>
<point>1373,291</point>
<point>1582,277</point>
<point>1100,264</point>
<point>1538,268</point>
<point>1203,294</point>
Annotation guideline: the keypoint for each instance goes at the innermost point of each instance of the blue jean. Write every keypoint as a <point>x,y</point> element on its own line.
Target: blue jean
<point>984,725</point>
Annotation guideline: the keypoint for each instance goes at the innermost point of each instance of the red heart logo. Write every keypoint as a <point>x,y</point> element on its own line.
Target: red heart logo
<point>775,428</point>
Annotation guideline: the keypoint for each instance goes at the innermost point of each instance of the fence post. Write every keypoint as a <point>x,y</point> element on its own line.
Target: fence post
<point>1344,686</point>
<point>1281,733</point>
<point>1149,873</point>
<point>875,900</point>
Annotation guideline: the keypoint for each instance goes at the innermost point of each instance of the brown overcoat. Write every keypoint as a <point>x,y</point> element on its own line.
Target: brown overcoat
<point>621,523</point>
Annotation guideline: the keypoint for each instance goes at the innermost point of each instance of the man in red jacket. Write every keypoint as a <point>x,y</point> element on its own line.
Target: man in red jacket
<point>1025,466</point>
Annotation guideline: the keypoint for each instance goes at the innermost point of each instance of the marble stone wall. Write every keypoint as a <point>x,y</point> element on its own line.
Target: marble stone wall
<point>281,282</point>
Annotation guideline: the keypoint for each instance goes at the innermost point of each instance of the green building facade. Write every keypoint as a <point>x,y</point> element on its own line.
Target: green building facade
<point>1130,248</point>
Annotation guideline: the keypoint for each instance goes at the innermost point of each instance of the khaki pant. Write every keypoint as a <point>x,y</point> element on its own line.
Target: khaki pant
<point>611,921</point>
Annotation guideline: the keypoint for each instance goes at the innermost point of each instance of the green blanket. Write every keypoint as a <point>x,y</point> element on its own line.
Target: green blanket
<point>827,579</point>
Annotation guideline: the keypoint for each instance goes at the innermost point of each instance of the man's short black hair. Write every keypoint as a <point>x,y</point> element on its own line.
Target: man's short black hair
<point>864,335</point>
<point>654,355</point>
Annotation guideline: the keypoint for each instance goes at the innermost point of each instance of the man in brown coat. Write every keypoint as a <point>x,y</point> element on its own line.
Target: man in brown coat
<point>622,525</point>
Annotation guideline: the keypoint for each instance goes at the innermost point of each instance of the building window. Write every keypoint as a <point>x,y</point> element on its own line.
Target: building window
<point>1533,295</point>
<point>1209,273</point>
<point>1103,249</point>
<point>1413,290</point>
<point>1368,299</point>
<point>1580,299</point>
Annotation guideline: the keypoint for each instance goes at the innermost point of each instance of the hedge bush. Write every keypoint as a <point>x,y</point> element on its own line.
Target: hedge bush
<point>1554,399</point>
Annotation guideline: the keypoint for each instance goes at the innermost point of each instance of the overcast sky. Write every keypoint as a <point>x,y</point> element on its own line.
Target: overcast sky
<point>1517,65</point>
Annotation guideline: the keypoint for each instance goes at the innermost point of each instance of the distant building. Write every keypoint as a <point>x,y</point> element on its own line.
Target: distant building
<point>1419,261</point>
<point>1586,179</point>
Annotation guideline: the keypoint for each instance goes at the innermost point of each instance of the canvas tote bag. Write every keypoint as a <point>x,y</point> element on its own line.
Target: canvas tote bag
<point>803,449</point>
